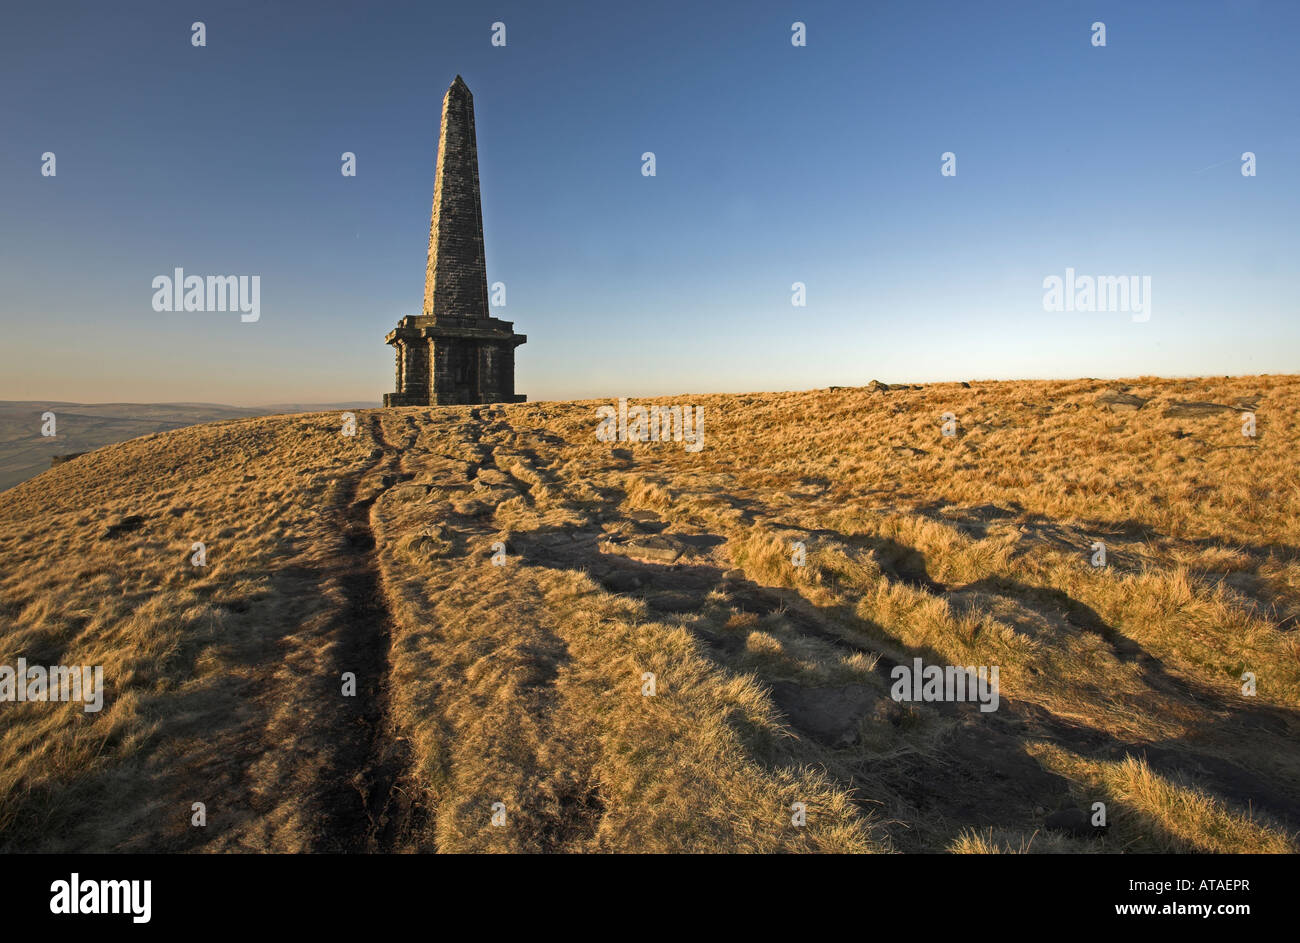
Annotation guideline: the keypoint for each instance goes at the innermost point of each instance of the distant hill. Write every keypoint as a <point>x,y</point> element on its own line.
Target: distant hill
<point>485,628</point>
<point>80,427</point>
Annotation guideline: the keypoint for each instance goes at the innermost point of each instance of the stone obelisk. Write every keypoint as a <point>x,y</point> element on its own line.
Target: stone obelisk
<point>455,352</point>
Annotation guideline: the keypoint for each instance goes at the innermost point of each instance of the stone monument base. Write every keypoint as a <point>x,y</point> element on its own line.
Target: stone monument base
<point>454,361</point>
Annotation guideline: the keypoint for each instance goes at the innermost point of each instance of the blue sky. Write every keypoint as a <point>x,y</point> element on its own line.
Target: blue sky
<point>775,164</point>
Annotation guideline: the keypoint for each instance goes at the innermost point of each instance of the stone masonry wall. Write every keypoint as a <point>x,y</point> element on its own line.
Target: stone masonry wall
<point>456,272</point>
<point>415,367</point>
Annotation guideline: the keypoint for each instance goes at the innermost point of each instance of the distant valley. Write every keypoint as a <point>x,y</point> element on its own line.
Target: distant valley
<point>81,427</point>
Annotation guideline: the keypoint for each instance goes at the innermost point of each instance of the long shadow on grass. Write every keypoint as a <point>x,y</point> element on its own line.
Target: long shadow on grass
<point>980,775</point>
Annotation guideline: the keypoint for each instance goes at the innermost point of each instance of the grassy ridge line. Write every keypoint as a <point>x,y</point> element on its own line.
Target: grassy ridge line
<point>522,684</point>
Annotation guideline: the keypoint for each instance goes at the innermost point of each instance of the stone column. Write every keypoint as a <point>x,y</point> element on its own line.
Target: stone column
<point>415,369</point>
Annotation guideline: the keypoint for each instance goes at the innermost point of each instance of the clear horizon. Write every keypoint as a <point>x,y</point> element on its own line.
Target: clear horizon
<point>775,164</point>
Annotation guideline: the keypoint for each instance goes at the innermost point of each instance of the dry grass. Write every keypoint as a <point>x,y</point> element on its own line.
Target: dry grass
<point>522,684</point>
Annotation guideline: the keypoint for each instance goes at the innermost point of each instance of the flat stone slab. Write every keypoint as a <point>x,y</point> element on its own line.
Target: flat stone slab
<point>875,386</point>
<point>1190,409</point>
<point>655,548</point>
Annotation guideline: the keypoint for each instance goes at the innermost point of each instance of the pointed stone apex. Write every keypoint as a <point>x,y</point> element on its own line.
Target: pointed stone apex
<point>458,85</point>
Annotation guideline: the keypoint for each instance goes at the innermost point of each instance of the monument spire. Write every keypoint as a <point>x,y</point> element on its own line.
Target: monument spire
<point>454,352</point>
<point>455,280</point>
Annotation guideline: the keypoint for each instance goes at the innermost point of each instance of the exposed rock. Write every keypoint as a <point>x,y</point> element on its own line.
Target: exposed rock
<point>656,548</point>
<point>1121,402</point>
<point>1191,409</point>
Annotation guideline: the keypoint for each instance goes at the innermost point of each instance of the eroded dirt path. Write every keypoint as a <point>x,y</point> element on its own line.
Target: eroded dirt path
<point>362,807</point>
<point>328,773</point>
